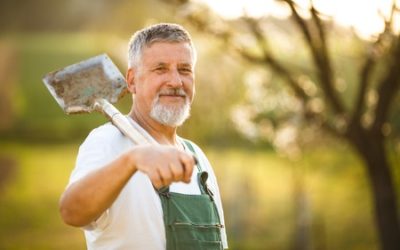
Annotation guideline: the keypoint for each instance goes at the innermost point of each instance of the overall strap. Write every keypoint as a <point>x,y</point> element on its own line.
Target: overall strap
<point>203,175</point>
<point>191,148</point>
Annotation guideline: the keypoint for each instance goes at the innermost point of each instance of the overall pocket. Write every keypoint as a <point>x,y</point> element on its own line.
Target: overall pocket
<point>196,236</point>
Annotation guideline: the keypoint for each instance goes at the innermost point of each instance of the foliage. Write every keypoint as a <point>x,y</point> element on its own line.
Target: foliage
<point>289,64</point>
<point>292,99</point>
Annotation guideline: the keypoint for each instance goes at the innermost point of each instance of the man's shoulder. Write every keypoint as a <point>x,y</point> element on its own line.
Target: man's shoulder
<point>107,130</point>
<point>107,133</point>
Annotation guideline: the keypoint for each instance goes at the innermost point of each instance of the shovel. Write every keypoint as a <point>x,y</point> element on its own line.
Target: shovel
<point>92,85</point>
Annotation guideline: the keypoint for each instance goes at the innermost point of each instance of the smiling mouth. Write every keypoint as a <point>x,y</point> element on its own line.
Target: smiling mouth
<point>173,93</point>
<point>172,98</point>
<point>181,96</point>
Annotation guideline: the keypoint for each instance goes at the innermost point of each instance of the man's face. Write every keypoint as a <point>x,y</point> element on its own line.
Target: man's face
<point>164,82</point>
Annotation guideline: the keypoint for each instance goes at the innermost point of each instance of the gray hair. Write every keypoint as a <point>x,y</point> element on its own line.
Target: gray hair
<point>162,32</point>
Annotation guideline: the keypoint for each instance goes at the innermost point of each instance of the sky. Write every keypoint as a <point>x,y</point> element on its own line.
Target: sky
<point>362,15</point>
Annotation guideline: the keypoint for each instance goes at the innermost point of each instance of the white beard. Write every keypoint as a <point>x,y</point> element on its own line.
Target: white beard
<point>170,115</point>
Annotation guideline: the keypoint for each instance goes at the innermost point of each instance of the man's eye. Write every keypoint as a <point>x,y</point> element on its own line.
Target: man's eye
<point>160,69</point>
<point>185,70</point>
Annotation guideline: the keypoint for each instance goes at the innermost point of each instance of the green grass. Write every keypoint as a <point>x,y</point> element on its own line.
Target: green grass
<point>29,211</point>
<point>258,190</point>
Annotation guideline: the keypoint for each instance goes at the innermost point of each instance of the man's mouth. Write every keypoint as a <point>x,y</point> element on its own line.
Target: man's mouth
<point>172,93</point>
<point>163,95</point>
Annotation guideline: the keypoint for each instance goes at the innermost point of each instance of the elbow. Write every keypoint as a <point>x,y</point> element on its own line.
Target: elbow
<point>70,218</point>
<point>70,215</point>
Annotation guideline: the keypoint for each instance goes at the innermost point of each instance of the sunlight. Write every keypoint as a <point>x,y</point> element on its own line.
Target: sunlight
<point>362,16</point>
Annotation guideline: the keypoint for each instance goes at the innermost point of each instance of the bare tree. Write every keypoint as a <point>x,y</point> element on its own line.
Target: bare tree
<point>363,124</point>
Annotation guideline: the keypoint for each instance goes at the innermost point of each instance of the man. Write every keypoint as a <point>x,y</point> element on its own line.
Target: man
<point>128,196</point>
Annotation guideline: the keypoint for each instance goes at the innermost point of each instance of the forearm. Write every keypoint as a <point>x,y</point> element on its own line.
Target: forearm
<point>85,200</point>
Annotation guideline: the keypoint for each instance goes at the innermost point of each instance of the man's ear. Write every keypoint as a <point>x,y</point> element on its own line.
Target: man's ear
<point>130,80</point>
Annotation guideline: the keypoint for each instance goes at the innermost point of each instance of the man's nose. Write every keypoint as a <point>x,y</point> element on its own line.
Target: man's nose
<point>175,79</point>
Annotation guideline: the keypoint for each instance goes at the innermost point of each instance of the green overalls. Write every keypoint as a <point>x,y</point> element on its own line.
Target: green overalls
<point>191,221</point>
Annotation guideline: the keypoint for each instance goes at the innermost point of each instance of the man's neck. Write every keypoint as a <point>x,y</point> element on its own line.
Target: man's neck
<point>165,135</point>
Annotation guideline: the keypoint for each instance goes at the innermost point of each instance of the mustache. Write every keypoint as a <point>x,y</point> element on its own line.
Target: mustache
<point>175,91</point>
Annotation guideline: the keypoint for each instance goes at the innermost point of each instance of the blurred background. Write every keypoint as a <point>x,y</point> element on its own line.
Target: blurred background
<point>297,108</point>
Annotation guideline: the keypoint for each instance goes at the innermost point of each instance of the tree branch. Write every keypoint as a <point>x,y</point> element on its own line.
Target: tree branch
<point>318,47</point>
<point>390,84</point>
<point>365,74</point>
<point>255,28</point>
<point>320,27</point>
<point>278,68</point>
<point>319,119</point>
<point>366,70</point>
<point>301,23</point>
<point>388,87</point>
<point>268,59</point>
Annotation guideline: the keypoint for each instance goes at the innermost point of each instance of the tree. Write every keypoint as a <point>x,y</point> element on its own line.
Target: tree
<point>364,122</point>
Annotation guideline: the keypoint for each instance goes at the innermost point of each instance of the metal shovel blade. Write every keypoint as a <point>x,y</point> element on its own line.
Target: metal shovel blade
<point>77,86</point>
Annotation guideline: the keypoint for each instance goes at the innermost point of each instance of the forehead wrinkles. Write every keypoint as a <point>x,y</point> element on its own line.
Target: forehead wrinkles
<point>181,53</point>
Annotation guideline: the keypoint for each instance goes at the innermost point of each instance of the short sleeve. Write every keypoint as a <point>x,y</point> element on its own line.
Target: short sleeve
<point>101,146</point>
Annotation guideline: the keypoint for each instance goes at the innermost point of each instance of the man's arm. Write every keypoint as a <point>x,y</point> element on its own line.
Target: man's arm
<point>86,199</point>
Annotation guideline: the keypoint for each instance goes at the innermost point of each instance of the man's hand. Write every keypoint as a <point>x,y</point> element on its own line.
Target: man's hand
<point>163,164</point>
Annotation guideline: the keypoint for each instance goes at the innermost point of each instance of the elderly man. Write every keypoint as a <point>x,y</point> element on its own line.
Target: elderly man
<point>128,196</point>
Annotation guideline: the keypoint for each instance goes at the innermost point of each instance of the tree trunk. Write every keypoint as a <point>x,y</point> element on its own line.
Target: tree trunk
<point>370,146</point>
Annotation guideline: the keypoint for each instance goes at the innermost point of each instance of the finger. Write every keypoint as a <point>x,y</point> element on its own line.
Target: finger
<point>155,178</point>
<point>188,163</point>
<point>177,171</point>
<point>165,175</point>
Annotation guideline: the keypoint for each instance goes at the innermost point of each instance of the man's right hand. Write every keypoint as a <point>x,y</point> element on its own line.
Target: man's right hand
<point>163,164</point>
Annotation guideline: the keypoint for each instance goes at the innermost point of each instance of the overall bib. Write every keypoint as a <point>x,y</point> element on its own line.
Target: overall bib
<point>191,221</point>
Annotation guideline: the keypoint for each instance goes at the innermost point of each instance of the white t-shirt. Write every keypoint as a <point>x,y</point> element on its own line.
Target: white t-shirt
<point>135,219</point>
